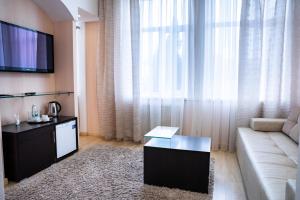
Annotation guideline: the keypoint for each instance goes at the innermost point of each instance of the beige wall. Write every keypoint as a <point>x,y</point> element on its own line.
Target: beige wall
<point>24,13</point>
<point>92,31</point>
<point>64,62</point>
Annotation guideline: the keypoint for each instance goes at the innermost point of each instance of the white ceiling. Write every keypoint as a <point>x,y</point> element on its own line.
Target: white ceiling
<point>55,9</point>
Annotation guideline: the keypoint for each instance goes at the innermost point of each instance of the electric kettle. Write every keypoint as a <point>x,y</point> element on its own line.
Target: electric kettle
<point>54,108</point>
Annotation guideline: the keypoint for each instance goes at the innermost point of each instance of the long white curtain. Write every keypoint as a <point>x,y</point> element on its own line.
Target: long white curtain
<point>204,66</point>
<point>167,63</point>
<point>268,74</point>
<point>211,111</point>
<point>189,66</point>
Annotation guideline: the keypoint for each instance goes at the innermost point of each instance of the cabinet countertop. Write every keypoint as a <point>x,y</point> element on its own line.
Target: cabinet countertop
<point>25,126</point>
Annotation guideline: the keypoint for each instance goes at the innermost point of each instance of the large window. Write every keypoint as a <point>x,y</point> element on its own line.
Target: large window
<point>170,44</point>
<point>164,34</point>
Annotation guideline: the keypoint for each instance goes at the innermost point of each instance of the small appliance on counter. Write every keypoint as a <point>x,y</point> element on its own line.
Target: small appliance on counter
<point>34,117</point>
<point>54,108</point>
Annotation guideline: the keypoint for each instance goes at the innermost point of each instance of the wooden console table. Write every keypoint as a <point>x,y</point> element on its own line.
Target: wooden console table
<point>29,148</point>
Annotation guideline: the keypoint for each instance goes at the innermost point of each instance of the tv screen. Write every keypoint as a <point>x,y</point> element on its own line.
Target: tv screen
<point>25,50</point>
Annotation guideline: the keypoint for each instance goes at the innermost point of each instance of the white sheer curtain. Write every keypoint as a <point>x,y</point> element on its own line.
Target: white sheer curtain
<point>268,73</point>
<point>190,64</point>
<point>170,63</point>
<point>212,113</point>
<point>117,84</point>
<point>164,44</point>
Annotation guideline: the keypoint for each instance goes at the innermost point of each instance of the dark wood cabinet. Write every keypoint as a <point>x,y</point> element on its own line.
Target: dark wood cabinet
<point>29,149</point>
<point>36,150</point>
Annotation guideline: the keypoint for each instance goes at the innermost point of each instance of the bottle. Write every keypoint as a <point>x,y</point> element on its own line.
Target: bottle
<point>35,113</point>
<point>17,118</point>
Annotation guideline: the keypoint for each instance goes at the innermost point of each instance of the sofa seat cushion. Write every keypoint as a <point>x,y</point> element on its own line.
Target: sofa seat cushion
<point>288,146</point>
<point>276,188</point>
<point>290,192</point>
<point>274,157</point>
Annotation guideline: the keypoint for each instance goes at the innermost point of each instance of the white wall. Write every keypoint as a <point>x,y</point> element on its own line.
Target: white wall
<point>64,64</point>
<point>55,9</point>
<point>89,6</point>
<point>81,77</point>
<point>88,11</point>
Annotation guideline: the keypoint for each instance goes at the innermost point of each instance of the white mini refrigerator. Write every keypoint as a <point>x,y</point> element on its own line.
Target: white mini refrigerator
<point>66,138</point>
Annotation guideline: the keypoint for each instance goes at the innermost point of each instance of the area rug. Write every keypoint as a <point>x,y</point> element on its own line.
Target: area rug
<point>101,172</point>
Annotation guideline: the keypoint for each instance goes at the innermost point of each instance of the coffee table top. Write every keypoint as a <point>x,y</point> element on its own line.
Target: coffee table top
<point>180,142</point>
<point>165,132</point>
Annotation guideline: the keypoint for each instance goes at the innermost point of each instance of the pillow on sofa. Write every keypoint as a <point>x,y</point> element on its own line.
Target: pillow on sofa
<point>294,133</point>
<point>290,127</point>
<point>267,124</point>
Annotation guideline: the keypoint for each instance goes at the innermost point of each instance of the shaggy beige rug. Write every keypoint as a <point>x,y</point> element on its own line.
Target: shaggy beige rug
<point>101,172</point>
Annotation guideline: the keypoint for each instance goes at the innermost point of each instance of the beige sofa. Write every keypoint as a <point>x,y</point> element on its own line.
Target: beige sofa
<point>267,159</point>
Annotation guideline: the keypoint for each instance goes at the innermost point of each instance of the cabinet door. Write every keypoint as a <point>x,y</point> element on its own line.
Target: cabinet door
<point>36,151</point>
<point>66,138</point>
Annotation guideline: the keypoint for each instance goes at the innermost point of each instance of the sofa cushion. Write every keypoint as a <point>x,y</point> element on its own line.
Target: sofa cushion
<point>294,133</point>
<point>267,124</point>
<point>290,126</point>
<point>290,191</point>
<point>286,145</point>
<point>274,159</point>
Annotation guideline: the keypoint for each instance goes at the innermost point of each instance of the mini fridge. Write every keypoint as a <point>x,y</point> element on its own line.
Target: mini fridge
<point>66,137</point>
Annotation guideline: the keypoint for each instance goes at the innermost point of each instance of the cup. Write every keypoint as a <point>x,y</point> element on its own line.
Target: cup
<point>45,118</point>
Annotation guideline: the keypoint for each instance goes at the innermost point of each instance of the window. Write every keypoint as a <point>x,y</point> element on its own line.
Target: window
<point>164,33</point>
<point>169,42</point>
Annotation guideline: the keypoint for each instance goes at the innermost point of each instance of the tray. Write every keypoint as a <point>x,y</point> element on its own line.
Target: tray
<point>41,122</point>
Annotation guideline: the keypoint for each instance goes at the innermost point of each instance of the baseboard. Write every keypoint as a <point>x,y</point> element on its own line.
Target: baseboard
<point>83,134</point>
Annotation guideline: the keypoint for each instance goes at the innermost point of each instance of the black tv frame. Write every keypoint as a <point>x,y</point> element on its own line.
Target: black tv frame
<point>30,71</point>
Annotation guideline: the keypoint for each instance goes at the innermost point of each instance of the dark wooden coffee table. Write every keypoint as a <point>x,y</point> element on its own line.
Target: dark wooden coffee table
<point>182,162</point>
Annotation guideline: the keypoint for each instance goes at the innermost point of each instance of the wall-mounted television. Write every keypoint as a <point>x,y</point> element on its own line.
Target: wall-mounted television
<point>25,50</point>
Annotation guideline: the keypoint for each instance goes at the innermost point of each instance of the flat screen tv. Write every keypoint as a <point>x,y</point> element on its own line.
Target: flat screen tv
<point>25,50</point>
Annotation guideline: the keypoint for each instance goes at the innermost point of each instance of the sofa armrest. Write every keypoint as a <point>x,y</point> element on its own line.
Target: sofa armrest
<point>267,124</point>
<point>290,189</point>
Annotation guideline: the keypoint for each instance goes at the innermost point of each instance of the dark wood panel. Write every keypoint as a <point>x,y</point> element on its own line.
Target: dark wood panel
<point>10,149</point>
<point>29,149</point>
<point>178,168</point>
<point>36,151</point>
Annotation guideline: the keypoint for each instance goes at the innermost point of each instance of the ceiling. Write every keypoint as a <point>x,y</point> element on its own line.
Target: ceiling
<point>55,9</point>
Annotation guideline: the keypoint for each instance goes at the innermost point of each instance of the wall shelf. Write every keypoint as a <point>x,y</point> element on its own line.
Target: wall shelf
<point>22,95</point>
